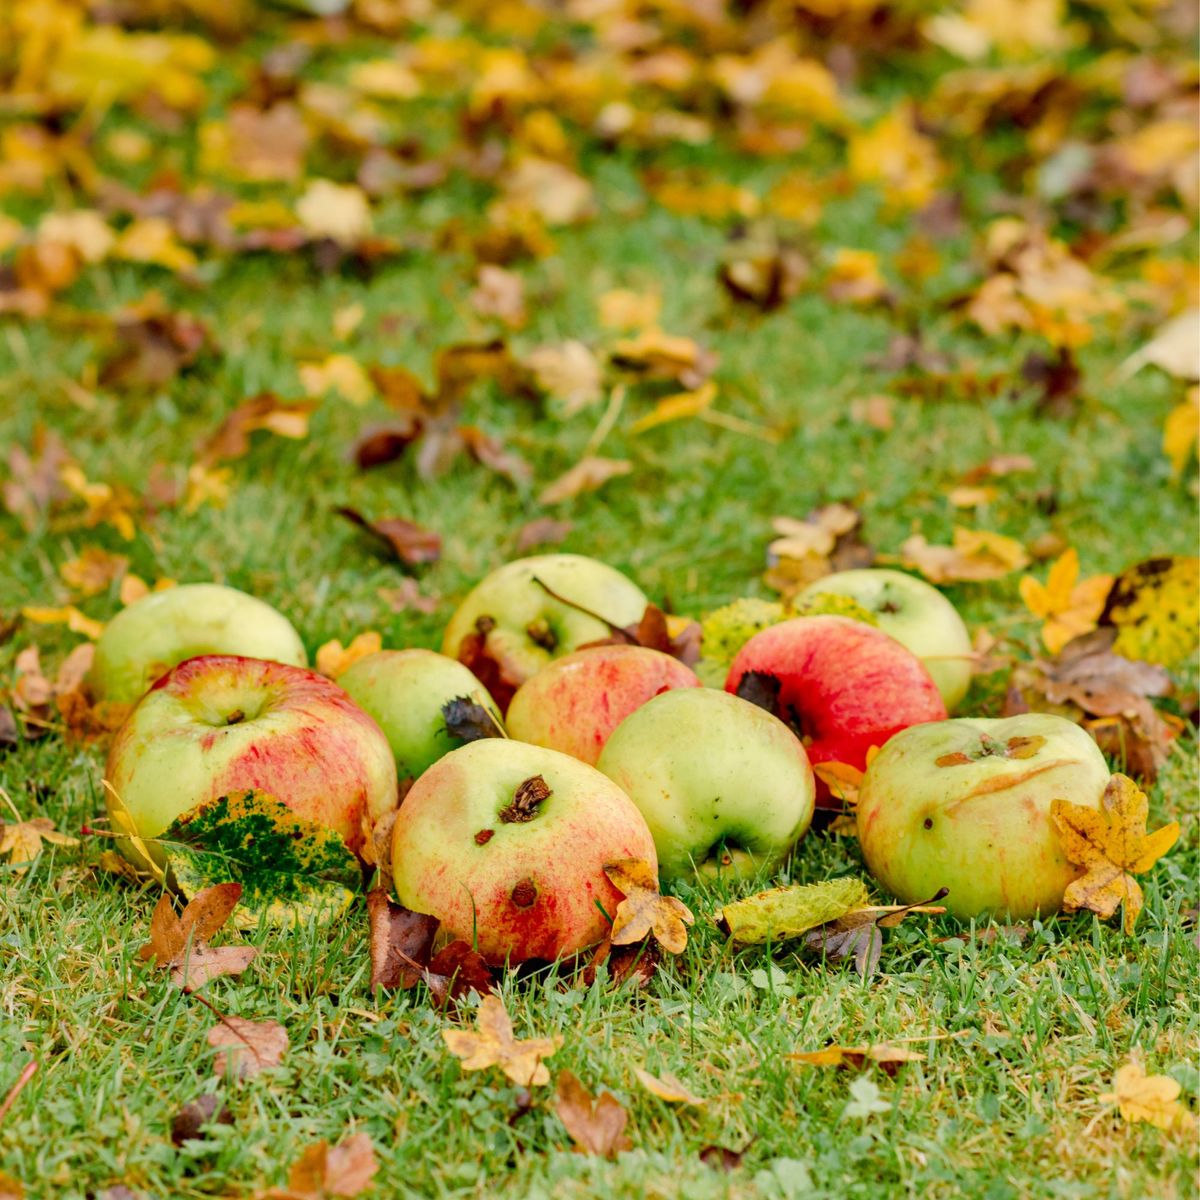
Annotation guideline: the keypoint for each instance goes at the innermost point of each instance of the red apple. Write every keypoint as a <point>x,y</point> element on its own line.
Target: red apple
<point>219,724</point>
<point>506,845</point>
<point>842,686</point>
<point>573,704</point>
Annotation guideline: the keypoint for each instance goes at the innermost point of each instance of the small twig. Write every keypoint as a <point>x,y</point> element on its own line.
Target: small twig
<point>27,1073</point>
<point>188,990</point>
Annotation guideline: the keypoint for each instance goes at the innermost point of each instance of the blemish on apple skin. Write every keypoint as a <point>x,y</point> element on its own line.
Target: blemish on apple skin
<point>524,893</point>
<point>927,823</point>
<point>484,836</point>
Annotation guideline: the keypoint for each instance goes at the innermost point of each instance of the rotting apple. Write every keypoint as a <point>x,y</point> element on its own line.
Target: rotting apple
<point>161,629</point>
<point>725,787</point>
<point>406,692</point>
<point>534,610</point>
<point>965,804</point>
<point>916,614</point>
<point>575,703</point>
<point>842,686</point>
<point>506,844</point>
<point>219,724</point>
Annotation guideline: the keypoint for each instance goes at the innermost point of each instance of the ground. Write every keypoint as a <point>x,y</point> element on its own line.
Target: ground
<point>1023,1037</point>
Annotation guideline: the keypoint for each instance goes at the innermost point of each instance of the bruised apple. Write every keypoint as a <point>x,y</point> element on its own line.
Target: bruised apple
<point>534,610</point>
<point>575,703</point>
<point>164,628</point>
<point>724,786</point>
<point>965,804</point>
<point>506,845</point>
<point>219,724</point>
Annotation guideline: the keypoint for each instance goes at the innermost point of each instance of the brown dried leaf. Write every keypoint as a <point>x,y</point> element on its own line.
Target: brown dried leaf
<point>190,1122</point>
<point>542,531</point>
<point>247,1047</point>
<point>492,453</point>
<point>34,485</point>
<point>181,942</point>
<point>411,543</point>
<point>323,1171</point>
<point>596,1123</point>
<point>645,910</point>
<point>266,412</point>
<point>587,475</point>
<point>401,941</point>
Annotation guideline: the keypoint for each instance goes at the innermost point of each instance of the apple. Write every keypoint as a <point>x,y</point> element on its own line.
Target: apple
<point>724,786</point>
<point>506,845</point>
<point>219,724</point>
<point>510,626</point>
<point>163,628</point>
<point>916,614</point>
<point>575,703</point>
<point>965,804</point>
<point>406,692</point>
<point>842,686</point>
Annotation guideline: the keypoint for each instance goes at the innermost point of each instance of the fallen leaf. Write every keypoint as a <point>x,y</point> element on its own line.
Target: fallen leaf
<point>645,910</point>
<point>407,594</point>
<point>1057,378</point>
<point>181,942</point>
<point>93,571</point>
<point>541,531</point>
<point>469,721</point>
<point>492,1045</point>
<point>889,1059</point>
<point>411,543</point>
<point>457,971</point>
<point>1068,607</point>
<point>323,1171</point>
<point>337,211</point>
<point>190,1122</point>
<point>667,1087</point>
<point>247,1047</point>
<point>1174,348</point>
<point>596,1123</point>
<point>722,1158</point>
<point>401,941</point>
<point>587,475</point>
<point>34,484</point>
<point>70,616</point>
<point>789,912</point>
<point>568,372</point>
<point>636,964</point>
<point>1152,1099</point>
<point>333,658</point>
<point>876,412</point>
<point>677,407</point>
<point>1155,608</point>
<point>1111,845</point>
<point>654,354</point>
<point>492,453</point>
<point>1181,432</point>
<point>623,308</point>
<point>22,841</point>
<point>262,412</point>
<point>829,539</point>
<point>857,934</point>
<point>340,374</point>
<point>501,294</point>
<point>976,556</point>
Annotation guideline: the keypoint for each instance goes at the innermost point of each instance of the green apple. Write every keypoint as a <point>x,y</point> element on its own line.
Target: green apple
<point>916,614</point>
<point>534,610</point>
<point>725,787</point>
<point>406,691</point>
<point>965,805</point>
<point>506,845</point>
<point>162,629</point>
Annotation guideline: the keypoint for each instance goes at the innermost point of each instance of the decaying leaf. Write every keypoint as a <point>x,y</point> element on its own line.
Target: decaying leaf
<point>190,1122</point>
<point>323,1171</point>
<point>492,1045</point>
<point>789,912</point>
<point>636,964</point>
<point>857,935</point>
<point>411,543</point>
<point>1152,1099</point>
<point>976,556</point>
<point>1174,348</point>
<point>21,841</point>
<point>1068,606</point>
<point>587,475</point>
<point>469,721</point>
<point>1111,845</point>
<point>266,411</point>
<point>596,1123</point>
<point>286,868</point>
<point>333,658</point>
<point>181,942</point>
<point>645,910</point>
<point>667,1087</point>
<point>680,637</point>
<point>247,1047</point>
<point>888,1058</point>
<point>401,941</point>
<point>1155,608</point>
<point>1181,432</point>
<point>827,540</point>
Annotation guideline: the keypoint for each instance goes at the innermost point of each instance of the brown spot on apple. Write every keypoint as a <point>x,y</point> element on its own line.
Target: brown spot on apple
<point>236,717</point>
<point>524,893</point>
<point>526,801</point>
<point>484,836</point>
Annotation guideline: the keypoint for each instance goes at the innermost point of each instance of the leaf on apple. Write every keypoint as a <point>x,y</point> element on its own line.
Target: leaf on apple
<point>887,1058</point>
<point>492,1044</point>
<point>1111,845</point>
<point>596,1123</point>
<point>181,942</point>
<point>323,1171</point>
<point>247,1047</point>
<point>1155,608</point>
<point>645,910</point>
<point>789,912</point>
<point>411,543</point>
<point>469,721</point>
<point>289,868</point>
<point>1152,1099</point>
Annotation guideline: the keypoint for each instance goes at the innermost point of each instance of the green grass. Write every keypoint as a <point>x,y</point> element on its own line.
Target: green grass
<point>1007,1106</point>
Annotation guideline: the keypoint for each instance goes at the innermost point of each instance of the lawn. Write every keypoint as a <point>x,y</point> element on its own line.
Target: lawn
<point>1021,1031</point>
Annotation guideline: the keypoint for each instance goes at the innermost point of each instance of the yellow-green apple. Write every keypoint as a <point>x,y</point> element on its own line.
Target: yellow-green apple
<point>154,633</point>
<point>577,701</point>
<point>219,724</point>
<point>842,686</point>
<point>965,804</point>
<point>724,786</point>
<point>406,692</point>
<point>534,610</point>
<point>916,614</point>
<point>506,845</point>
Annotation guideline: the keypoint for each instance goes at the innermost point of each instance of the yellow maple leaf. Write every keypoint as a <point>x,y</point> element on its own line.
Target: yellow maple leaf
<point>894,154</point>
<point>338,373</point>
<point>1181,431</point>
<point>645,910</point>
<point>976,555</point>
<point>69,615</point>
<point>667,1087</point>
<point>1153,1099</point>
<point>22,841</point>
<point>1111,845</point>
<point>623,308</point>
<point>206,485</point>
<point>492,1045</point>
<point>333,658</point>
<point>105,504</point>
<point>1068,606</point>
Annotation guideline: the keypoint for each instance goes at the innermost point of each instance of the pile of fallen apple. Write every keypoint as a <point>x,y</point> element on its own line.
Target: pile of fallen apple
<point>506,790</point>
